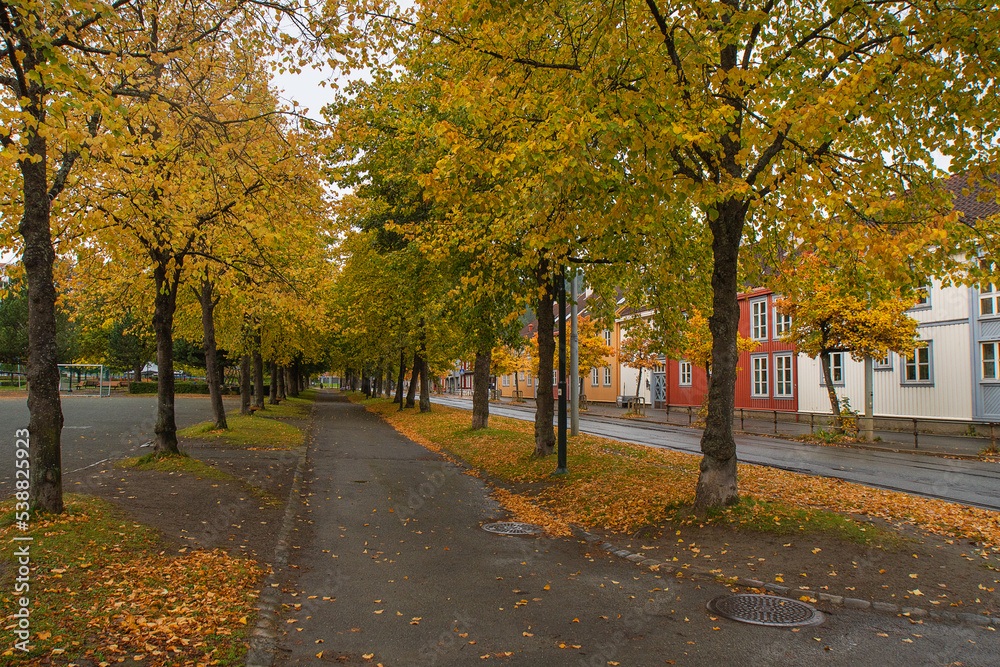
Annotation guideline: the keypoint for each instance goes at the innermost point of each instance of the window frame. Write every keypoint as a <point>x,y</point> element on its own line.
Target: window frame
<point>685,367</point>
<point>777,377</point>
<point>904,367</point>
<point>760,376</point>
<point>595,377</point>
<point>505,380</point>
<point>926,303</point>
<point>879,365</point>
<point>607,376</point>
<point>781,318</point>
<point>758,311</point>
<point>833,367</point>
<point>995,360</point>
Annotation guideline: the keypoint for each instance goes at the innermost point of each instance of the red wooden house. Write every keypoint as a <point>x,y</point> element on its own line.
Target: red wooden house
<point>766,378</point>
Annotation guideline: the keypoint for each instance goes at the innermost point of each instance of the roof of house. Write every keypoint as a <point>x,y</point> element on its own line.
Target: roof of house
<point>973,200</point>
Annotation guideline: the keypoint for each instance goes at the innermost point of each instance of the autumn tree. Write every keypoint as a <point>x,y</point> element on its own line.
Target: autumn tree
<point>641,348</point>
<point>740,119</point>
<point>845,306</point>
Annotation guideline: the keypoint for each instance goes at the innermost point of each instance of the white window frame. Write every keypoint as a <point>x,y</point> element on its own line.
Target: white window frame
<point>607,337</point>
<point>993,361</point>
<point>923,302</point>
<point>758,319</point>
<point>595,377</point>
<point>686,373</point>
<point>782,323</point>
<point>907,365</point>
<point>529,379</point>
<point>836,367</point>
<point>759,376</point>
<point>607,376</point>
<point>988,294</point>
<point>884,364</point>
<point>522,376</point>
<point>780,385</point>
<point>506,380</point>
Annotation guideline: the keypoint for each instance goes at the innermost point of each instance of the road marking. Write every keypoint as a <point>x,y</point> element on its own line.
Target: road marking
<point>66,427</point>
<point>97,463</point>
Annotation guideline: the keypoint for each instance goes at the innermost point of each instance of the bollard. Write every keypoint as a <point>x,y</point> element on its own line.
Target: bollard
<point>775,422</point>
<point>742,428</point>
<point>689,415</point>
<point>916,444</point>
<point>993,440</point>
<point>811,416</point>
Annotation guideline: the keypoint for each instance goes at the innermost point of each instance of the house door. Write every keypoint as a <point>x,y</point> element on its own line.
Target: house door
<point>659,390</point>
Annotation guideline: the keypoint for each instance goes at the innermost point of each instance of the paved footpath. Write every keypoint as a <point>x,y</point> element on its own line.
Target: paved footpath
<point>389,565</point>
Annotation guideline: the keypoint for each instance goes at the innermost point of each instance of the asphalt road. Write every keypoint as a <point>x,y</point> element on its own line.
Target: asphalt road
<point>969,482</point>
<point>96,429</point>
<point>390,565</point>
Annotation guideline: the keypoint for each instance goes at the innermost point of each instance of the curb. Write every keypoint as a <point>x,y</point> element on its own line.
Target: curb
<point>264,636</point>
<point>835,600</point>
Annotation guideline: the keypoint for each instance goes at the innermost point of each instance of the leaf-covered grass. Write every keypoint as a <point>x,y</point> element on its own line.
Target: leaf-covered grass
<point>251,432</point>
<point>622,487</point>
<point>175,463</point>
<point>103,590</point>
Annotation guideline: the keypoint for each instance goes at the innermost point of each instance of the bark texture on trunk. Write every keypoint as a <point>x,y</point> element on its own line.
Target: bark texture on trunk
<point>137,372</point>
<point>246,369</point>
<point>212,375</point>
<point>401,377</point>
<point>411,391</point>
<point>272,389</point>
<point>45,408</point>
<point>258,375</point>
<point>425,371</point>
<point>281,383</point>
<point>291,382</point>
<point>164,305</point>
<point>545,436</point>
<point>717,482</point>
<point>481,389</point>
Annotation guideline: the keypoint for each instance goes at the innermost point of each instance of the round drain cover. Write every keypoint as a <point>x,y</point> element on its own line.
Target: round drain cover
<point>512,528</point>
<point>765,610</point>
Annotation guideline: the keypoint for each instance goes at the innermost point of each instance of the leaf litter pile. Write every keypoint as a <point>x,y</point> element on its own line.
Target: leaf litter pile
<point>103,590</point>
<point>622,488</point>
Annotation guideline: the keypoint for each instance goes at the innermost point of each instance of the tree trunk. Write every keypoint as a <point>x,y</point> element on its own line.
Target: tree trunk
<point>411,391</point>
<point>164,305</point>
<point>481,389</point>
<point>717,481</point>
<point>291,384</point>
<point>205,297</point>
<point>366,381</point>
<point>272,398</point>
<point>402,375</point>
<point>46,419</point>
<point>258,375</point>
<point>545,437</point>
<point>831,391</point>
<point>137,372</point>
<point>246,369</point>
<point>281,383</point>
<point>425,385</point>
<point>638,385</point>
<point>387,386</point>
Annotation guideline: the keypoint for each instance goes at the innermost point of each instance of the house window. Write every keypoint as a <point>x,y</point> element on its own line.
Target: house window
<point>555,378</point>
<point>758,319</point>
<point>506,380</point>
<point>782,324</point>
<point>595,377</point>
<point>607,337</point>
<point>988,294</point>
<point>783,375</point>
<point>522,376</point>
<point>991,355</point>
<point>760,380</point>
<point>607,376</point>
<point>917,366</point>
<point>529,379</point>
<point>836,368</point>
<point>923,298</point>
<point>685,369</point>
<point>882,363</point>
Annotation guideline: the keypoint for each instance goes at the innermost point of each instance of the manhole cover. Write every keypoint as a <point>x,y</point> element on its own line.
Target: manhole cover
<point>765,610</point>
<point>512,528</point>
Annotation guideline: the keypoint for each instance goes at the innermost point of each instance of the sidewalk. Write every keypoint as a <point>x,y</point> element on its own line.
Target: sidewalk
<point>389,565</point>
<point>894,441</point>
